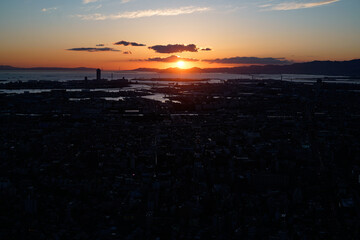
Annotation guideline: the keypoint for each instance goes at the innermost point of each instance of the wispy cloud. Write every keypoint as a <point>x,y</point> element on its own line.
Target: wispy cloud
<point>174,48</point>
<point>89,1</point>
<point>296,5</point>
<point>170,59</point>
<point>126,43</point>
<point>91,7</point>
<point>49,9</point>
<point>146,13</point>
<point>83,49</point>
<point>125,1</point>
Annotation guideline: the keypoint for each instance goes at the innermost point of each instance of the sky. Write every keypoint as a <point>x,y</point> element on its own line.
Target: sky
<point>129,34</point>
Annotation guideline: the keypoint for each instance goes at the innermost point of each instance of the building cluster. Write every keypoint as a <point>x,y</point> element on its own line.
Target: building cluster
<point>234,160</point>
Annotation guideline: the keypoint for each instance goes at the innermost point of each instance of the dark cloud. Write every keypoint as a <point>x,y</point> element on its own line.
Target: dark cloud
<point>206,49</point>
<point>126,43</point>
<point>176,48</point>
<point>127,52</point>
<point>249,60</point>
<point>105,49</point>
<point>170,59</point>
<point>100,45</point>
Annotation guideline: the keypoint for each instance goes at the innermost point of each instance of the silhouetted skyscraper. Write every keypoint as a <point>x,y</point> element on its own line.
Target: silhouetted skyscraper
<point>98,74</point>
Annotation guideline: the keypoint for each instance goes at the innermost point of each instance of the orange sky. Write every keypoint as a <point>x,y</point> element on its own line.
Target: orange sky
<point>237,32</point>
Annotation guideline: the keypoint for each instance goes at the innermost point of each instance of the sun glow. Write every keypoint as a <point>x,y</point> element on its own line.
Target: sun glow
<point>180,64</point>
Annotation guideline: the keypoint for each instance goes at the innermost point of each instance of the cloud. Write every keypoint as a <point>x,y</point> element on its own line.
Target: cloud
<point>170,59</point>
<point>127,52</point>
<point>125,1</point>
<point>145,13</point>
<point>92,8</point>
<point>249,60</point>
<point>49,9</point>
<point>105,49</point>
<point>296,5</point>
<point>126,43</point>
<point>174,48</point>
<point>266,5</point>
<point>206,49</point>
<point>89,1</point>
<point>100,45</point>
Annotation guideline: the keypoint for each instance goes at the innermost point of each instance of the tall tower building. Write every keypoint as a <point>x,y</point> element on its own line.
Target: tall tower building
<point>98,74</point>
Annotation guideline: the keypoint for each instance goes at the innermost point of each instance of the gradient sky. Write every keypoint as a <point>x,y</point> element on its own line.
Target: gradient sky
<point>65,33</point>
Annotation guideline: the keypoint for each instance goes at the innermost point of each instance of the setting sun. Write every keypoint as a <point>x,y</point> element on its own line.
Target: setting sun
<point>175,34</point>
<point>180,64</point>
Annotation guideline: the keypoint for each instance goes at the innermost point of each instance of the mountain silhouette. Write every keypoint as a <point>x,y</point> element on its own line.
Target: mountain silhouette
<point>336,68</point>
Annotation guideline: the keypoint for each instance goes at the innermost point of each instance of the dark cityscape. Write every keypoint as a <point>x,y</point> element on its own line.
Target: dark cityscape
<point>237,159</point>
<point>180,120</point>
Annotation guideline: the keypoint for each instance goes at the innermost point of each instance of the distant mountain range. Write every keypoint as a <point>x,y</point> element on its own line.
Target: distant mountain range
<point>336,68</point>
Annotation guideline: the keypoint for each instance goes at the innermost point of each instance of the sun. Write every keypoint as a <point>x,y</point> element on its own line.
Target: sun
<point>180,64</point>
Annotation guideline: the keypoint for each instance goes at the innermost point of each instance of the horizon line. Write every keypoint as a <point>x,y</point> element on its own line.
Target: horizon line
<point>247,65</point>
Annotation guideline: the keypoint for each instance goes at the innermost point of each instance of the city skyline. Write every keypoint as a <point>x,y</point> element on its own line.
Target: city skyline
<point>129,34</point>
